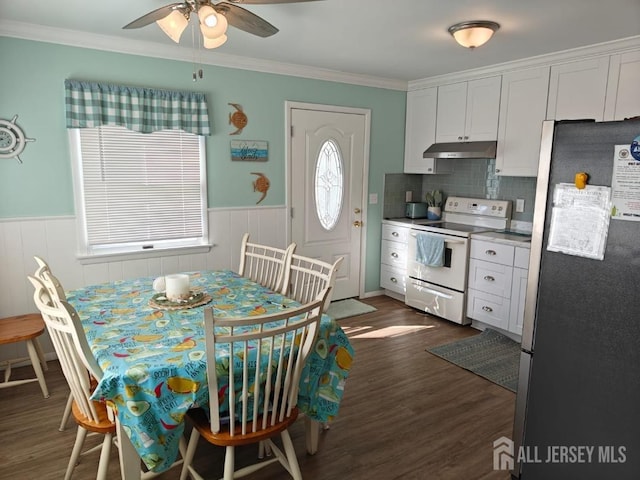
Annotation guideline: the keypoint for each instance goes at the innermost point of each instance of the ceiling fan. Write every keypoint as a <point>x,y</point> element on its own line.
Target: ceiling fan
<point>213,19</point>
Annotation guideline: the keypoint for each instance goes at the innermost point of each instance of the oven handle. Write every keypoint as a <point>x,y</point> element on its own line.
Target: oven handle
<point>435,292</point>
<point>446,237</point>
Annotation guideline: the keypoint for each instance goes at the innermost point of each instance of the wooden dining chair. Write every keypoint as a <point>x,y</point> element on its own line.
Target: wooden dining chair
<point>264,368</point>
<point>78,366</point>
<point>82,372</point>
<point>309,277</point>
<point>56,293</point>
<point>268,266</point>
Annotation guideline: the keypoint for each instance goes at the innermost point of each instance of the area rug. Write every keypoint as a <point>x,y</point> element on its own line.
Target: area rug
<point>348,308</point>
<point>490,354</point>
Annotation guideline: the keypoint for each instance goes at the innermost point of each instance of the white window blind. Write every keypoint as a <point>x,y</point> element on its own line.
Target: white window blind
<point>141,190</point>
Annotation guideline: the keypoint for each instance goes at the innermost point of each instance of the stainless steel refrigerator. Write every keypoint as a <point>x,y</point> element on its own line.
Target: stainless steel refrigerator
<point>578,400</point>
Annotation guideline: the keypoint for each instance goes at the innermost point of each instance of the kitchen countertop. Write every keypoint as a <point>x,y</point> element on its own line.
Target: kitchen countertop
<point>516,239</point>
<point>407,222</point>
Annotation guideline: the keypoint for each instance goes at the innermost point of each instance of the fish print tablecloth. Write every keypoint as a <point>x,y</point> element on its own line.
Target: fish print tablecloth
<point>154,360</point>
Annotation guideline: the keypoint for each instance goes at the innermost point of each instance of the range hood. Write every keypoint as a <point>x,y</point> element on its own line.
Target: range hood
<point>461,150</point>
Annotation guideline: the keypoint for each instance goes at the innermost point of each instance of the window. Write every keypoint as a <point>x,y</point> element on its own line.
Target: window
<point>328,185</point>
<point>139,191</point>
<point>139,167</point>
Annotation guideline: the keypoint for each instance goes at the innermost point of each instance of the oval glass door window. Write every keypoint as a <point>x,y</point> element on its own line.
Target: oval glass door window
<point>329,183</point>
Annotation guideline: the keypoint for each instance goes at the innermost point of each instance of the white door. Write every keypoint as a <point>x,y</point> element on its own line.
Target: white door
<point>327,157</point>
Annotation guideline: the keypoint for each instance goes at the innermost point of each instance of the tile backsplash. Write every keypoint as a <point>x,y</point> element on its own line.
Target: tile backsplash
<point>474,178</point>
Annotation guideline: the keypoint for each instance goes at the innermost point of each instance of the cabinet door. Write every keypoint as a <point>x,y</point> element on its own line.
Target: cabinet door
<point>623,94</point>
<point>523,106</point>
<point>452,105</point>
<point>577,90</point>
<point>420,129</point>
<point>483,108</point>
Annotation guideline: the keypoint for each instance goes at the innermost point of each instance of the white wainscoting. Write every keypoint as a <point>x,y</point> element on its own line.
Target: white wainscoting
<point>54,239</point>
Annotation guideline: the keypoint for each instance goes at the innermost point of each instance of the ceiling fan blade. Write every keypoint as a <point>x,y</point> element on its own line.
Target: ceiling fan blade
<point>245,20</point>
<point>268,2</point>
<point>155,15</point>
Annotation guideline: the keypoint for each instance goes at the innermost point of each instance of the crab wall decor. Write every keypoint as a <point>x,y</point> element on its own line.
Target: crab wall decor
<point>261,184</point>
<point>238,119</point>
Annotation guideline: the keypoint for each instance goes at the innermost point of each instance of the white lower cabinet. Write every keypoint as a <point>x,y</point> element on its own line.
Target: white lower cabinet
<point>393,258</point>
<point>497,284</point>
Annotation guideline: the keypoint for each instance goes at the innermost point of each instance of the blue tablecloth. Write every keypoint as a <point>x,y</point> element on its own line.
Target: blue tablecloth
<point>154,362</point>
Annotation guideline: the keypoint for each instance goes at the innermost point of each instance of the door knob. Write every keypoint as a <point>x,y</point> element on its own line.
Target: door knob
<point>356,210</point>
<point>357,223</point>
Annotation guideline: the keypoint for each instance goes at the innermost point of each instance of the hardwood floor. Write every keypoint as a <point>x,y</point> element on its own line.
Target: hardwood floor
<point>406,414</point>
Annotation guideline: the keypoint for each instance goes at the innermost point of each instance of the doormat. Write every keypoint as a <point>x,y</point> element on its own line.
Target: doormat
<point>490,354</point>
<point>348,308</point>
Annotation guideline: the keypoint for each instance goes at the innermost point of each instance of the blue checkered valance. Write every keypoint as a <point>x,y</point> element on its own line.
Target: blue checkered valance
<point>146,110</point>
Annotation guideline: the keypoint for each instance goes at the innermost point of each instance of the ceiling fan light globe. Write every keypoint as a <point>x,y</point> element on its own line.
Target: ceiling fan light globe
<point>214,42</point>
<point>208,16</point>
<point>217,31</point>
<point>173,25</point>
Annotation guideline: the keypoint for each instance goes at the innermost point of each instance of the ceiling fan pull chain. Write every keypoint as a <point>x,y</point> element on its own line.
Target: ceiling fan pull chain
<point>193,43</point>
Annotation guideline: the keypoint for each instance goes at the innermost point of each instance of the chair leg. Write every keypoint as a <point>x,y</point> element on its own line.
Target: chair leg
<point>188,456</point>
<point>66,413</point>
<point>229,463</point>
<point>43,361</point>
<point>103,465</point>
<point>75,453</point>
<point>37,368</point>
<point>294,468</point>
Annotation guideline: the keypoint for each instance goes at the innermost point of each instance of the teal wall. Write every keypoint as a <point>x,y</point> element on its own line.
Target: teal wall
<point>31,86</point>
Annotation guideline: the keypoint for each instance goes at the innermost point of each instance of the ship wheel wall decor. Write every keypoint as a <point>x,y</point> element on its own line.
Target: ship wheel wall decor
<point>12,139</point>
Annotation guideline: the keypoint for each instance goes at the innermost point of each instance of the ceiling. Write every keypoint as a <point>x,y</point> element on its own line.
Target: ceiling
<point>401,41</point>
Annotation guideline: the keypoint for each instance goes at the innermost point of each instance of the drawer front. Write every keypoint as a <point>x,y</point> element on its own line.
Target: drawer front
<point>393,279</point>
<point>492,252</point>
<point>490,277</point>
<point>521,258</point>
<point>490,309</point>
<point>395,233</point>
<point>394,254</point>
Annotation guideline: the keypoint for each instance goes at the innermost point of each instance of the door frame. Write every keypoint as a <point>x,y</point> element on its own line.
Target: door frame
<point>366,113</point>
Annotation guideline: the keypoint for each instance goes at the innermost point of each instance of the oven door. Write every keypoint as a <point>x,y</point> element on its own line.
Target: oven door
<point>454,272</point>
<point>436,300</point>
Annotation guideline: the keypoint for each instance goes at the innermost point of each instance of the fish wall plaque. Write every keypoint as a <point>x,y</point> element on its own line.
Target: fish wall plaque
<point>261,184</point>
<point>238,119</point>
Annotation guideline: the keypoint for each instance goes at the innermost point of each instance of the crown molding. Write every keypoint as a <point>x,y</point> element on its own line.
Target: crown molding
<point>74,38</point>
<point>564,56</point>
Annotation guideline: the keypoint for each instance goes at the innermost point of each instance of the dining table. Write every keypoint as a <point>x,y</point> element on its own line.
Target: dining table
<point>152,354</point>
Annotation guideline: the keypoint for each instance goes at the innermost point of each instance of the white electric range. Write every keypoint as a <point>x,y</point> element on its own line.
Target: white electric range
<point>441,291</point>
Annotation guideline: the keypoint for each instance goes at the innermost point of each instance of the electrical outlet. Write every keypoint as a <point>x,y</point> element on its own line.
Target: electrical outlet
<point>373,198</point>
<point>408,196</point>
<point>520,205</point>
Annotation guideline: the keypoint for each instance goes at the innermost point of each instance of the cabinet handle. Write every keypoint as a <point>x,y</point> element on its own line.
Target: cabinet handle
<point>490,252</point>
<point>395,234</point>
<point>394,279</point>
<point>497,170</point>
<point>466,137</point>
<point>487,309</point>
<point>394,254</point>
<point>489,278</point>
<point>460,138</point>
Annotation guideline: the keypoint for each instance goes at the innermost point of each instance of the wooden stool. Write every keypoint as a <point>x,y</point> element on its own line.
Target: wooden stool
<point>24,328</point>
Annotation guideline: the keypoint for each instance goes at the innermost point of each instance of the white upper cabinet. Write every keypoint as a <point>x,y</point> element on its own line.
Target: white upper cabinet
<point>577,90</point>
<point>523,106</point>
<point>623,89</point>
<point>420,132</point>
<point>468,111</point>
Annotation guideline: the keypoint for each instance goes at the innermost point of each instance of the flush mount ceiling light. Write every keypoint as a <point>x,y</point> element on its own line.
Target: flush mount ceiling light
<point>474,33</point>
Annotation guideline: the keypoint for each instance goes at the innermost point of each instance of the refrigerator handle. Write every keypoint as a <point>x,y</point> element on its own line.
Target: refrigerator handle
<point>539,214</point>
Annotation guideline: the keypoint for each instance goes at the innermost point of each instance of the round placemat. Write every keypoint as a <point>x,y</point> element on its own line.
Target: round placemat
<point>196,299</point>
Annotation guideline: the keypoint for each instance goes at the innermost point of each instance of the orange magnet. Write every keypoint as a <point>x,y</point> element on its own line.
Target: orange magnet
<point>581,180</point>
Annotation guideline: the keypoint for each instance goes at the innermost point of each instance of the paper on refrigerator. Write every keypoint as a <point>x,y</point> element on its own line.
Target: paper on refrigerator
<point>580,220</point>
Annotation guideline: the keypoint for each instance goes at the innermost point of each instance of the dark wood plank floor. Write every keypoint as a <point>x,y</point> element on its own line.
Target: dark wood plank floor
<point>406,414</point>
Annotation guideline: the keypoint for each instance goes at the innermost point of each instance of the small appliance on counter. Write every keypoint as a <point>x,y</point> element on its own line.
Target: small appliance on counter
<point>415,210</point>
